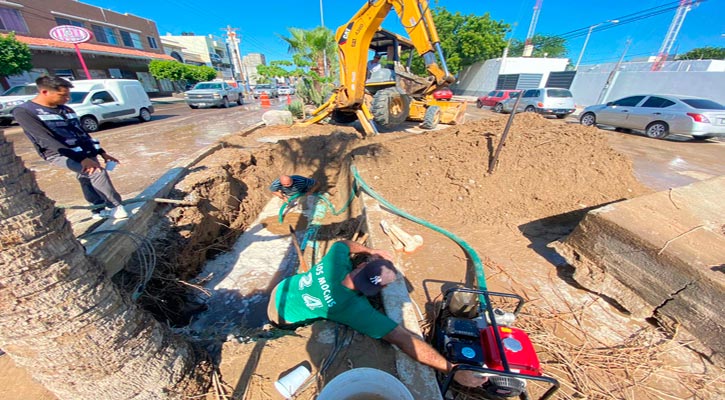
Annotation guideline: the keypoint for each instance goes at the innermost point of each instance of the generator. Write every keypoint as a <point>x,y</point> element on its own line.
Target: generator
<point>469,332</point>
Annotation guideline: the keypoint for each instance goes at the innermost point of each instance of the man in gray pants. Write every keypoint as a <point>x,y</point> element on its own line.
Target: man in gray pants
<point>59,138</point>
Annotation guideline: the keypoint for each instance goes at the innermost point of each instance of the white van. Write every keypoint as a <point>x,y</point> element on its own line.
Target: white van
<point>96,101</point>
<point>547,101</point>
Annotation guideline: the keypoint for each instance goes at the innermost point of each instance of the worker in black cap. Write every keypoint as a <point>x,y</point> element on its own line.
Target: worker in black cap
<point>335,290</point>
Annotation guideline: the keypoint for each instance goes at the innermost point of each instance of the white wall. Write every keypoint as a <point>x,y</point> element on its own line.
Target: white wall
<point>710,85</point>
<point>480,78</point>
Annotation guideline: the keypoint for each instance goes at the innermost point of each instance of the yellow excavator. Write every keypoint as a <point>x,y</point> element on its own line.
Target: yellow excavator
<point>392,94</point>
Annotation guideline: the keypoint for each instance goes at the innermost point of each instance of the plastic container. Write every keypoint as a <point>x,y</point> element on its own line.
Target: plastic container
<point>365,384</point>
<point>288,384</point>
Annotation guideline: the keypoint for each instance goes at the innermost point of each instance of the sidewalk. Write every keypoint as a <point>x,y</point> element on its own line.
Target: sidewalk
<point>167,100</point>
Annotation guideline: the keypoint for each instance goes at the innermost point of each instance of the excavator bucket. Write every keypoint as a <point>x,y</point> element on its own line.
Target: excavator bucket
<point>452,112</point>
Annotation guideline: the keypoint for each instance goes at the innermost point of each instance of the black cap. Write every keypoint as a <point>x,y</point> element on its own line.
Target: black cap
<point>374,276</point>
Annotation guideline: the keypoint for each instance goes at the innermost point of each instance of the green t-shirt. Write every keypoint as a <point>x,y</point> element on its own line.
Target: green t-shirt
<point>319,294</point>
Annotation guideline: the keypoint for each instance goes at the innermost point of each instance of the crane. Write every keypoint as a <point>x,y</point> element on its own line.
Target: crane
<point>671,36</point>
<point>529,45</point>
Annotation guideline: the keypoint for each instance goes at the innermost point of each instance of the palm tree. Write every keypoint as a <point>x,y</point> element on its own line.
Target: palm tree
<point>312,48</point>
<point>64,321</point>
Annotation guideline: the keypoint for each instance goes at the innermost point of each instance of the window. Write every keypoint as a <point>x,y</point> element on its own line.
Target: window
<point>531,93</point>
<point>66,21</point>
<point>499,94</point>
<point>152,42</point>
<point>628,101</point>
<point>657,102</point>
<point>131,39</point>
<point>492,93</point>
<point>12,20</point>
<point>104,96</point>
<point>560,93</point>
<point>703,104</point>
<point>104,34</point>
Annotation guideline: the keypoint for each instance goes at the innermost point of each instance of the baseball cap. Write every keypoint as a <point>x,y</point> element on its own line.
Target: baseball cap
<point>373,276</point>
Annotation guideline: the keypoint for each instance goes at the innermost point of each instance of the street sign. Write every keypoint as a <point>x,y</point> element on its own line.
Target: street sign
<point>75,35</point>
<point>71,34</point>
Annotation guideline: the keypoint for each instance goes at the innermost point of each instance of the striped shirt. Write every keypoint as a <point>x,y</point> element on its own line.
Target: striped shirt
<point>300,185</point>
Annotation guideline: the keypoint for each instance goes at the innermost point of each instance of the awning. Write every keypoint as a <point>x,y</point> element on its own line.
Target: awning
<point>89,48</point>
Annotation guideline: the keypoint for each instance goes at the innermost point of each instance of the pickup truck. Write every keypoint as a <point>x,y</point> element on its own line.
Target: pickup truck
<point>210,94</point>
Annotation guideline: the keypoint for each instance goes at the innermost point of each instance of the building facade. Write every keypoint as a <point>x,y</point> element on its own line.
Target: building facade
<point>122,45</point>
<point>250,63</point>
<point>201,50</point>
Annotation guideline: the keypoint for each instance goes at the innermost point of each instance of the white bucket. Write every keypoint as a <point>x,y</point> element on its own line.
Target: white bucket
<point>365,384</point>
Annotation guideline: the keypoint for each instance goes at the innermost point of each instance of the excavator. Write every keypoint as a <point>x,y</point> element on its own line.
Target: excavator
<point>390,96</point>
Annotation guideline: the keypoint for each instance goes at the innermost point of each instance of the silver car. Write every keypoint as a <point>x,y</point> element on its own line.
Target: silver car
<point>546,101</point>
<point>14,97</point>
<point>660,115</point>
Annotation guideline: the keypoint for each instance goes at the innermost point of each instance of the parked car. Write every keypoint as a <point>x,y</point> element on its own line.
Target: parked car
<point>660,115</point>
<point>547,101</point>
<point>12,98</point>
<point>443,93</point>
<point>96,101</point>
<point>213,94</point>
<point>271,90</point>
<point>495,97</point>
<point>285,90</point>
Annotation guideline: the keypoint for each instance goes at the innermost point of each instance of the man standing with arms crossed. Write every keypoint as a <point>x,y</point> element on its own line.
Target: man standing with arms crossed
<point>59,138</point>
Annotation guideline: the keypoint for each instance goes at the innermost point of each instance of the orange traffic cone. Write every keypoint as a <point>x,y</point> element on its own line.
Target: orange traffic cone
<point>264,99</point>
<point>289,99</point>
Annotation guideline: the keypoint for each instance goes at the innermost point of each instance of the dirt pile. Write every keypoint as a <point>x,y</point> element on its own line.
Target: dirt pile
<point>544,169</point>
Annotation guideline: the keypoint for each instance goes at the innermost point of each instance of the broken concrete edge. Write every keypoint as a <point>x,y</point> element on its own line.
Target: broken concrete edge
<point>418,378</point>
<point>121,238</point>
<point>647,254</point>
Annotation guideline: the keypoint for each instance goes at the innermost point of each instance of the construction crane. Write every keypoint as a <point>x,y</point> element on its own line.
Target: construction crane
<point>528,44</point>
<point>671,36</point>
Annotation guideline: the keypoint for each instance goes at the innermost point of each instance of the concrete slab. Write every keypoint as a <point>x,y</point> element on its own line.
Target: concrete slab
<point>662,256</point>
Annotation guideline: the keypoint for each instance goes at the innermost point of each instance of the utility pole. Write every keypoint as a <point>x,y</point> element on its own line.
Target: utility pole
<point>233,43</point>
<point>324,51</point>
<point>615,70</point>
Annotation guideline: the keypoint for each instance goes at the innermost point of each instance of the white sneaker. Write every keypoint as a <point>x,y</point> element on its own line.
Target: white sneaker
<point>115,213</point>
<point>97,215</point>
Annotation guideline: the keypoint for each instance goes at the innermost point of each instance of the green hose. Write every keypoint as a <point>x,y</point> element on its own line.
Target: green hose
<point>478,266</point>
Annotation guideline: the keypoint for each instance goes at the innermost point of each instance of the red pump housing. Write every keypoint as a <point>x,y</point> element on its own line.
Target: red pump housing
<point>517,346</point>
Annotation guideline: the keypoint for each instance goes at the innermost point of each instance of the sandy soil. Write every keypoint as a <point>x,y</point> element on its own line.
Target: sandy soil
<point>549,174</point>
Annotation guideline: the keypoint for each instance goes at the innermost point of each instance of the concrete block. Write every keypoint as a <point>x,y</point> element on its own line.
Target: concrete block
<point>661,255</point>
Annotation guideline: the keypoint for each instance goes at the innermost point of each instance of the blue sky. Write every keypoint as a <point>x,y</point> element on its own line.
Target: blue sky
<point>260,22</point>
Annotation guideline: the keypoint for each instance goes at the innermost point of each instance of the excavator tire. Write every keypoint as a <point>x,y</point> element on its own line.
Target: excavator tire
<point>432,117</point>
<point>390,107</point>
<point>343,117</point>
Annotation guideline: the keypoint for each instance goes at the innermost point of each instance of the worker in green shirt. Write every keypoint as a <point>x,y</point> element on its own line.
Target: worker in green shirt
<point>335,290</point>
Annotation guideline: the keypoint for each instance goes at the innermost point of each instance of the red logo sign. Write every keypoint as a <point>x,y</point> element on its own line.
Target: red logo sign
<point>70,34</point>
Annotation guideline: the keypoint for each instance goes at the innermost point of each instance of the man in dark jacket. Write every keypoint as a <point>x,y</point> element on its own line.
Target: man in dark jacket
<point>59,138</point>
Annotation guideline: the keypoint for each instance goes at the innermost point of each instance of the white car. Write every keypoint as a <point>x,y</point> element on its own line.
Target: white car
<point>660,115</point>
<point>96,101</point>
<point>546,101</point>
<point>285,90</point>
<point>14,97</point>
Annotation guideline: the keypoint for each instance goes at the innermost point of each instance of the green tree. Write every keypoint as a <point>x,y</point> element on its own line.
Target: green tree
<point>202,73</point>
<point>310,50</point>
<point>14,56</point>
<point>544,46</point>
<point>167,69</point>
<point>467,39</point>
<point>274,69</point>
<point>704,53</point>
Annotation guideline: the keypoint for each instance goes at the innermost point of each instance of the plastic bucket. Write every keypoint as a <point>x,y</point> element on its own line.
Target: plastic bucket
<point>365,384</point>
